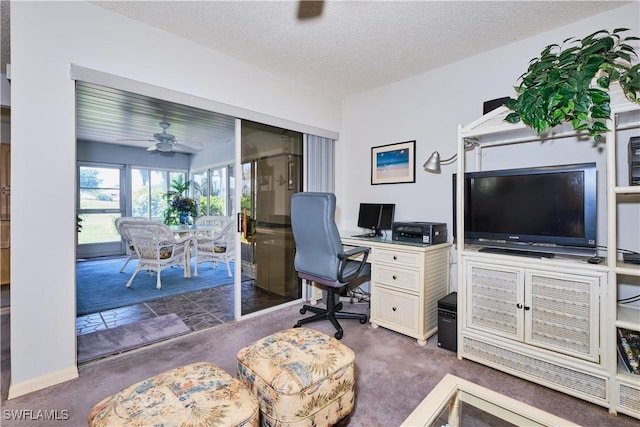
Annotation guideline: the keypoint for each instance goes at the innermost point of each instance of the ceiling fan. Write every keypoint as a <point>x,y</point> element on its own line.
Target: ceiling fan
<point>166,142</point>
<point>309,9</point>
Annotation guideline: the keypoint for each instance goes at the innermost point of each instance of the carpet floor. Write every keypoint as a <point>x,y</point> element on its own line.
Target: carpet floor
<point>393,373</point>
<point>100,286</point>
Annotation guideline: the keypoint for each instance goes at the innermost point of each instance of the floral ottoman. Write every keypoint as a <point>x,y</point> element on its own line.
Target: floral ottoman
<point>300,376</point>
<point>200,394</point>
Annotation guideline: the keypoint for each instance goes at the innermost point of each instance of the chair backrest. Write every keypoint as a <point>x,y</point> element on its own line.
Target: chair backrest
<point>120,220</point>
<point>224,230</point>
<point>316,235</point>
<point>148,236</point>
<point>218,222</point>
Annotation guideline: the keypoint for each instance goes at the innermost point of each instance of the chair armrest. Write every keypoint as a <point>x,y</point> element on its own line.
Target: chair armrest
<point>354,251</point>
<point>346,256</point>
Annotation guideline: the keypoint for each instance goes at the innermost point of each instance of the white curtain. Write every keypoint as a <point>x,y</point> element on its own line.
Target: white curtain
<point>319,166</point>
<point>319,163</point>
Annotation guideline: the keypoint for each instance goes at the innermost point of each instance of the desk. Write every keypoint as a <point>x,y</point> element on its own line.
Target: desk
<point>407,280</point>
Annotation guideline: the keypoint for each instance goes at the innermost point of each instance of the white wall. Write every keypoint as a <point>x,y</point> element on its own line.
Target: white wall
<point>428,108</point>
<point>46,38</point>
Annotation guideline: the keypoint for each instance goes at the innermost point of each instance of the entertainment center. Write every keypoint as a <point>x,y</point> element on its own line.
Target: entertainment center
<point>550,317</point>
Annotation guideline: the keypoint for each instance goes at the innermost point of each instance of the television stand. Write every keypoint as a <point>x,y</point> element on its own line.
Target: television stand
<point>517,252</point>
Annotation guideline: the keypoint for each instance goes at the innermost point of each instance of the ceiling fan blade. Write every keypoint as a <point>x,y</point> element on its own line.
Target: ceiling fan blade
<point>308,9</point>
<point>183,147</point>
<point>135,140</point>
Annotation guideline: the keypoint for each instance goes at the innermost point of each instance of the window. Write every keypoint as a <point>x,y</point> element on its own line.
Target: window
<point>148,189</point>
<point>99,200</point>
<point>211,188</point>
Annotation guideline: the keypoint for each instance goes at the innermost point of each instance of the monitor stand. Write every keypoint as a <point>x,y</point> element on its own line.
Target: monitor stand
<point>517,252</point>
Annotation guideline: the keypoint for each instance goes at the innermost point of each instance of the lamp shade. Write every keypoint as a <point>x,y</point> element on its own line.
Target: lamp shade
<point>433,163</point>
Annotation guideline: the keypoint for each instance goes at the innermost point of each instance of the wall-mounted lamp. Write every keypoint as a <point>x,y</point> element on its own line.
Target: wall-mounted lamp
<point>433,162</point>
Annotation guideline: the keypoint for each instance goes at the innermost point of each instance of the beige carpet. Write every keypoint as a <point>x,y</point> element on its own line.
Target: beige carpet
<point>393,373</point>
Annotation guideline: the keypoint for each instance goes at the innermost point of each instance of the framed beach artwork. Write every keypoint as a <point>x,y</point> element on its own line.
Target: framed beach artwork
<point>393,163</point>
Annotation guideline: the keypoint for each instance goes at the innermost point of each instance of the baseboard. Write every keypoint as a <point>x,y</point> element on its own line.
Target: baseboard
<point>26,387</point>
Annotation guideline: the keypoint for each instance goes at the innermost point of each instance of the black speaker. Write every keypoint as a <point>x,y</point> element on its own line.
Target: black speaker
<point>447,323</point>
<point>634,160</point>
<point>492,104</point>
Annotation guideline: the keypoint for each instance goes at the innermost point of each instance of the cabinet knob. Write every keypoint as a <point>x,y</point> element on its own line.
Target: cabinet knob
<point>394,277</point>
<point>394,308</point>
<point>526,307</point>
<point>395,257</point>
<point>519,305</point>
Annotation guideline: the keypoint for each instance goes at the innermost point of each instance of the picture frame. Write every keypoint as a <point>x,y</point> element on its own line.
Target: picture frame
<point>393,163</point>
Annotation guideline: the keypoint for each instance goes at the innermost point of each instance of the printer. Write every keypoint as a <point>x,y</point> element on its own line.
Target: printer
<point>428,233</point>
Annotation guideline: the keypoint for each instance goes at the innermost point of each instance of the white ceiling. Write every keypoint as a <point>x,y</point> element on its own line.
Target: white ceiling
<point>353,46</point>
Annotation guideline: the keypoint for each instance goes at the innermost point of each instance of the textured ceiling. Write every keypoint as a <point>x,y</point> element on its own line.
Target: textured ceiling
<point>354,46</point>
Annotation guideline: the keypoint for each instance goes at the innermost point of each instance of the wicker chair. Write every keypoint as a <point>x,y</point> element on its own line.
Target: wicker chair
<point>216,245</point>
<point>157,247</point>
<point>130,250</point>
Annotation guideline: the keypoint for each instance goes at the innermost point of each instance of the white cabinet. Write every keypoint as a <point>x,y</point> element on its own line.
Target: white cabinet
<point>406,283</point>
<point>546,308</point>
<point>537,319</point>
<point>555,322</point>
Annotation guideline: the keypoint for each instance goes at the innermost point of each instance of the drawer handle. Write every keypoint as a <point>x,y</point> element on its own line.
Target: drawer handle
<point>394,308</point>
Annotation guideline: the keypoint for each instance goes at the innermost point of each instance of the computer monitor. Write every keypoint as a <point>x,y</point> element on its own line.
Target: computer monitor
<point>376,217</point>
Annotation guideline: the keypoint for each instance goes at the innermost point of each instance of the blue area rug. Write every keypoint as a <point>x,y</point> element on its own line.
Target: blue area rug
<point>100,286</point>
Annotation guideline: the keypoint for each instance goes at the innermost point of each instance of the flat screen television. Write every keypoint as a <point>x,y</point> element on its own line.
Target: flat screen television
<point>538,211</point>
<point>376,217</point>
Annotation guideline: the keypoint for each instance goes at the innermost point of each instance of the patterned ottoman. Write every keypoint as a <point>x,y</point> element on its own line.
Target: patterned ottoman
<point>301,377</point>
<point>200,394</point>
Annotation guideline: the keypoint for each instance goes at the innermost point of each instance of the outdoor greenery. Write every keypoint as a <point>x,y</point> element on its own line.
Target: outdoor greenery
<point>569,83</point>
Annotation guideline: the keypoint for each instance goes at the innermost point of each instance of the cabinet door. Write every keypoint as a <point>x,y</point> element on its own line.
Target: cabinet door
<point>562,312</point>
<point>493,299</point>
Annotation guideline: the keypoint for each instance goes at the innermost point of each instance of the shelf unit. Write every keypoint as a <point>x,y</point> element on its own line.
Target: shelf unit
<point>625,387</point>
<point>613,388</point>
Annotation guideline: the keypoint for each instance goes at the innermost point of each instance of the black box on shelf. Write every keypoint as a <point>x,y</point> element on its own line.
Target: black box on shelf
<point>634,160</point>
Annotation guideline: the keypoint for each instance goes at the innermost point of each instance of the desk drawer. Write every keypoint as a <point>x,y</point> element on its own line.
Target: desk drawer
<point>396,277</point>
<point>398,311</point>
<point>407,259</point>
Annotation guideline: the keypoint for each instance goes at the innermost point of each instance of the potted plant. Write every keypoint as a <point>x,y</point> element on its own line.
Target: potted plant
<point>569,83</point>
<point>182,209</point>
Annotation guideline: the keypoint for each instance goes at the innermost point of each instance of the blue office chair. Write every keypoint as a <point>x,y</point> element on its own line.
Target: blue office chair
<point>321,258</point>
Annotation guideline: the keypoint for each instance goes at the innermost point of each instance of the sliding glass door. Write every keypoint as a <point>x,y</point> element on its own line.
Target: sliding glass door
<point>271,171</point>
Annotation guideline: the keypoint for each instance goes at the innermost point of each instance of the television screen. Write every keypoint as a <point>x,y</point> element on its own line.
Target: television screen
<point>547,209</point>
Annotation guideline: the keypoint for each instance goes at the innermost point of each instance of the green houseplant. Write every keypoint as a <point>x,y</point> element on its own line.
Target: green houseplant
<point>179,203</point>
<point>569,83</point>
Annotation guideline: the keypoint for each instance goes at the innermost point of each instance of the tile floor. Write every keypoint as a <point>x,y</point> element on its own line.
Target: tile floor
<point>198,310</point>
